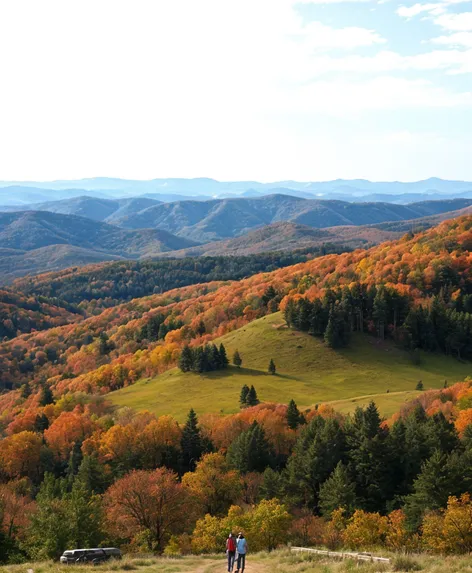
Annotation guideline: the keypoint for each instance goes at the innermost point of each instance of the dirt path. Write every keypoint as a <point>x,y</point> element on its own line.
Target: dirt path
<point>217,566</point>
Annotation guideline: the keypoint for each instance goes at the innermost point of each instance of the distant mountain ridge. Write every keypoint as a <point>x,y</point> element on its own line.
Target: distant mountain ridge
<point>95,208</point>
<point>206,221</point>
<point>22,193</point>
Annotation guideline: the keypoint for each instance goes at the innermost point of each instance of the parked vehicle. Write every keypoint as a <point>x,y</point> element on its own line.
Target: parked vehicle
<point>93,556</point>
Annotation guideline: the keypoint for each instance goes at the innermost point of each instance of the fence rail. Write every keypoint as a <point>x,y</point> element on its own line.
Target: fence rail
<point>342,554</point>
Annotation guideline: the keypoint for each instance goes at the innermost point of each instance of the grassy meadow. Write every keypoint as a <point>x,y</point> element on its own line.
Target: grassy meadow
<point>307,371</point>
<point>278,561</point>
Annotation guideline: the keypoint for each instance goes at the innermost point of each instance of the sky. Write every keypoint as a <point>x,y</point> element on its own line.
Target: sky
<point>262,90</point>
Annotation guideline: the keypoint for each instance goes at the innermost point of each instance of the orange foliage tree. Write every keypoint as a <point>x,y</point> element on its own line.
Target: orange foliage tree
<point>149,506</point>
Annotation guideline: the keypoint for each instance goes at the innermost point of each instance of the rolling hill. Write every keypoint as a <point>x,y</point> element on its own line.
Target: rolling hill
<point>23,232</point>
<point>415,267</point>
<point>287,236</point>
<point>307,371</point>
<point>206,221</point>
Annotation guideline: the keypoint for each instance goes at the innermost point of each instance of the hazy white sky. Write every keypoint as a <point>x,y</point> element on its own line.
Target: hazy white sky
<point>235,89</point>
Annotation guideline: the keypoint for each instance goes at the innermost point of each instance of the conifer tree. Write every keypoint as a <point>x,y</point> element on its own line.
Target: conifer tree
<point>289,312</point>
<point>243,396</point>
<point>251,451</point>
<point>251,398</point>
<point>338,491</point>
<point>319,448</point>
<point>269,294</point>
<point>223,357</point>
<point>41,423</point>
<point>271,369</point>
<point>191,443</point>
<point>369,458</point>
<point>237,360</point>
<point>215,361</point>
<point>46,396</point>
<point>92,474</point>
<point>330,332</point>
<point>186,359</point>
<point>420,385</point>
<point>200,362</point>
<point>294,418</point>
<point>201,328</point>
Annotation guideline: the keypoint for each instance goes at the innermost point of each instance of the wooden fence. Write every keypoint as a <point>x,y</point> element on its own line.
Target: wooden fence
<point>342,555</point>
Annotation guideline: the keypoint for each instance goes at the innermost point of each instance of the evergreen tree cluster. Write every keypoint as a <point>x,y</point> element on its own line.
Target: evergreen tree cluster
<point>248,397</point>
<point>156,328</point>
<point>251,451</point>
<point>205,358</point>
<point>442,324</point>
<point>416,464</point>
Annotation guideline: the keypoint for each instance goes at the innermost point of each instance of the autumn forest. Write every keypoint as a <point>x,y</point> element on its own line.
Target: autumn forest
<point>77,470</point>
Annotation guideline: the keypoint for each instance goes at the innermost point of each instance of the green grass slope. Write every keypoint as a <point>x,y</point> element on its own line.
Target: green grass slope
<point>307,371</point>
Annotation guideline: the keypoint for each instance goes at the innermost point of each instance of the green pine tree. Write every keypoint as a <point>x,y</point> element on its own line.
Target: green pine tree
<point>294,418</point>
<point>46,396</point>
<point>237,360</point>
<point>223,357</point>
<point>271,369</point>
<point>41,423</point>
<point>186,359</point>
<point>93,475</point>
<point>420,385</point>
<point>251,398</point>
<point>337,491</point>
<point>330,337</point>
<point>191,443</point>
<point>243,396</point>
<point>251,451</point>
<point>201,328</point>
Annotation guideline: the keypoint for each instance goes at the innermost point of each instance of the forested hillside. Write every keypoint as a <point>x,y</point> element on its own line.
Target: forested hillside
<point>21,313</point>
<point>100,286</point>
<point>433,264</point>
<point>65,450</point>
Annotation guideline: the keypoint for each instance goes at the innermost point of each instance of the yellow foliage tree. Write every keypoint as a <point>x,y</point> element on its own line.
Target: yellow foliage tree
<point>265,526</point>
<point>365,530</point>
<point>334,531</point>
<point>269,523</point>
<point>450,531</point>
<point>213,484</point>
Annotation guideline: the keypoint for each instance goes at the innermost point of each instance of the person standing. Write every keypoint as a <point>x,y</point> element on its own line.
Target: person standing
<point>230,551</point>
<point>241,548</point>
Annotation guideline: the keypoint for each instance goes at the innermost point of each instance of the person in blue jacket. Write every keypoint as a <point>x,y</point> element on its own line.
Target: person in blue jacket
<point>241,551</point>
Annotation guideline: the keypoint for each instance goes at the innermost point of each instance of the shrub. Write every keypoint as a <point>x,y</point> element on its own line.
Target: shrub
<point>404,563</point>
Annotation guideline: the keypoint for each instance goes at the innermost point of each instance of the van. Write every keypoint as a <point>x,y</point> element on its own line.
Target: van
<point>93,556</point>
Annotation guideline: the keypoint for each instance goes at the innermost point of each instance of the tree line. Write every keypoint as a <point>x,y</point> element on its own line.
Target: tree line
<point>113,283</point>
<point>437,324</point>
<point>206,358</point>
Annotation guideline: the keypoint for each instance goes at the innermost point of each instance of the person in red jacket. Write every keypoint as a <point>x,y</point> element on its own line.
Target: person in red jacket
<point>230,551</point>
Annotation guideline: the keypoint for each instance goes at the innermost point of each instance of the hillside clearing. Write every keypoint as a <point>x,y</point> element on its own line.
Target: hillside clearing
<point>307,371</point>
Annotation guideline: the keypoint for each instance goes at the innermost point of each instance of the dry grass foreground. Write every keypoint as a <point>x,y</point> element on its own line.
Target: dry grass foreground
<point>278,561</point>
